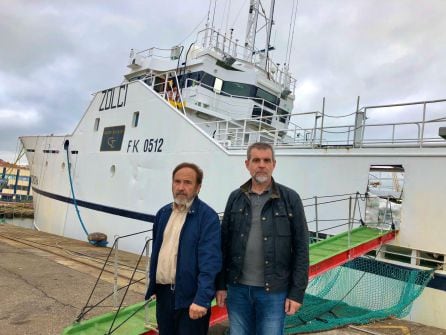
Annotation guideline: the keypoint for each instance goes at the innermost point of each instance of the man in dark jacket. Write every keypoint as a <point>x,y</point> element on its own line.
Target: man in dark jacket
<point>186,257</point>
<point>265,250</point>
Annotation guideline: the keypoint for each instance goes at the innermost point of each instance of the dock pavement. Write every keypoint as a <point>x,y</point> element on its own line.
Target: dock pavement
<point>45,281</point>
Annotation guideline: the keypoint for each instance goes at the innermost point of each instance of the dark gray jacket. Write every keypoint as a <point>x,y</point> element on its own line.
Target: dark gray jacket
<point>285,240</point>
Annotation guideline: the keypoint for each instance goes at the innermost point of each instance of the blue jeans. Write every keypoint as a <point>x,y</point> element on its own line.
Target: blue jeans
<point>253,311</point>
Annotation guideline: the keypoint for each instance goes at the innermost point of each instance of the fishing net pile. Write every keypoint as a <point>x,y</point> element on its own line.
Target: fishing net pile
<point>361,291</point>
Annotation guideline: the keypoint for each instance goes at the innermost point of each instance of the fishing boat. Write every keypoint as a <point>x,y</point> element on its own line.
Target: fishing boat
<point>205,103</point>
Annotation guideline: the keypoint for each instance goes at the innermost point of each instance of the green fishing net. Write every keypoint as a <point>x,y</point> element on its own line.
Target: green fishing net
<point>361,291</point>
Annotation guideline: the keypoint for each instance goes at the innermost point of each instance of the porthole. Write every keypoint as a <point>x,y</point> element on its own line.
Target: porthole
<point>135,119</point>
<point>96,124</point>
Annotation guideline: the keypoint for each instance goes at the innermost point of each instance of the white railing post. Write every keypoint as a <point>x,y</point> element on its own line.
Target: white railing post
<point>385,215</point>
<point>422,125</point>
<point>322,121</point>
<point>393,133</point>
<point>316,218</point>
<point>349,223</point>
<point>354,209</point>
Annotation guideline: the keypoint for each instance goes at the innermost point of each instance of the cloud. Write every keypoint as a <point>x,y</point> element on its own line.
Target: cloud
<point>56,53</point>
<point>21,118</point>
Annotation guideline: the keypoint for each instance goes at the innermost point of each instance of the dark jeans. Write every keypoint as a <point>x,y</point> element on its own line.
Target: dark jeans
<point>173,321</point>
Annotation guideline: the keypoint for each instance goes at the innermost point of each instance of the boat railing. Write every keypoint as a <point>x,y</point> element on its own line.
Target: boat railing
<point>212,98</point>
<point>426,133</point>
<point>137,275</point>
<point>154,52</point>
<point>350,211</point>
<point>232,50</point>
<point>167,86</point>
<point>229,106</point>
<point>311,130</point>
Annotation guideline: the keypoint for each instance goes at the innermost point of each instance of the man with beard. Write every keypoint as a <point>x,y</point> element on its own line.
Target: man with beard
<point>186,257</point>
<point>265,250</point>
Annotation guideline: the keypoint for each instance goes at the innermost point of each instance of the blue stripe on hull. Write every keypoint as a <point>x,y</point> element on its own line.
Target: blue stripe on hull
<point>438,282</point>
<point>97,207</point>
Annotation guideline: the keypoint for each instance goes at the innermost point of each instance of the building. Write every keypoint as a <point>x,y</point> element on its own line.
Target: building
<point>15,182</point>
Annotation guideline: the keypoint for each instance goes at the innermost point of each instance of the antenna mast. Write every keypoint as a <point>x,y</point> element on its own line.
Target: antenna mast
<point>269,26</point>
<point>251,29</point>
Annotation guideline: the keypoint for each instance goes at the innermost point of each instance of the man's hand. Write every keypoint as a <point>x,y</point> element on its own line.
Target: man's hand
<point>220,296</point>
<point>291,306</point>
<point>197,311</point>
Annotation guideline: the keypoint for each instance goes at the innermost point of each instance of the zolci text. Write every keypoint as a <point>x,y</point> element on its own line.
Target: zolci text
<point>114,97</point>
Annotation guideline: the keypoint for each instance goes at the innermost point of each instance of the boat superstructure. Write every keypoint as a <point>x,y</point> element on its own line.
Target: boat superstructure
<point>205,104</point>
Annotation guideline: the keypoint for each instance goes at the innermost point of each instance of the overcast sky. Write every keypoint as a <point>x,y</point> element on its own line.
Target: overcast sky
<point>54,54</point>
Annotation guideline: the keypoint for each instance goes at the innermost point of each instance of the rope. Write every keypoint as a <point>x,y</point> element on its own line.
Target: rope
<point>131,315</point>
<point>99,243</point>
<point>112,330</point>
<point>359,208</point>
<point>336,132</point>
<point>72,190</point>
<point>193,30</point>
<point>238,13</point>
<point>87,308</point>
<point>330,196</point>
<point>339,116</point>
<point>326,202</point>
<point>290,41</point>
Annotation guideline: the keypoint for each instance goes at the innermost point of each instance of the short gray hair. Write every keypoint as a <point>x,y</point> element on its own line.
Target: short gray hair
<point>260,146</point>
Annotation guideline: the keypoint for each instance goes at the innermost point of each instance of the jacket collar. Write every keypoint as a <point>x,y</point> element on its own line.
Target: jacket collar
<point>274,194</point>
<point>194,207</point>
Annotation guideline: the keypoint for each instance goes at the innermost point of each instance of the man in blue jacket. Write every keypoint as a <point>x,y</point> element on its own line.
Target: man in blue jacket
<point>186,257</point>
<point>265,250</point>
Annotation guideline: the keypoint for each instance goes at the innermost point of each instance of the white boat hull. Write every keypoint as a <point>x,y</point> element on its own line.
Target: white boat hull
<point>120,191</point>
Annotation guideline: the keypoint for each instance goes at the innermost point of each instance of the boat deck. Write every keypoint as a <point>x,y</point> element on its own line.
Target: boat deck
<point>46,280</point>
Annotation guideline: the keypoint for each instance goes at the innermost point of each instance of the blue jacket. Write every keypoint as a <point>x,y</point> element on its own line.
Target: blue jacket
<point>199,255</point>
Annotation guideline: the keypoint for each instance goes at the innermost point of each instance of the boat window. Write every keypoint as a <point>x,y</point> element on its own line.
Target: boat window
<point>96,124</point>
<point>283,115</point>
<point>135,119</point>
<point>262,94</point>
<point>149,81</point>
<point>385,190</point>
<point>217,85</point>
<point>208,79</point>
<point>181,79</point>
<point>240,89</point>
<point>159,84</point>
<point>264,115</point>
<point>236,89</point>
<point>195,76</point>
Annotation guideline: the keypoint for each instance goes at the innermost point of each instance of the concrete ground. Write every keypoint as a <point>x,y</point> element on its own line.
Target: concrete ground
<point>42,292</point>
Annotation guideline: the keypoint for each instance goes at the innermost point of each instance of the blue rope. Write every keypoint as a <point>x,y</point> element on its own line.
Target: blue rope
<point>72,193</point>
<point>96,243</point>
